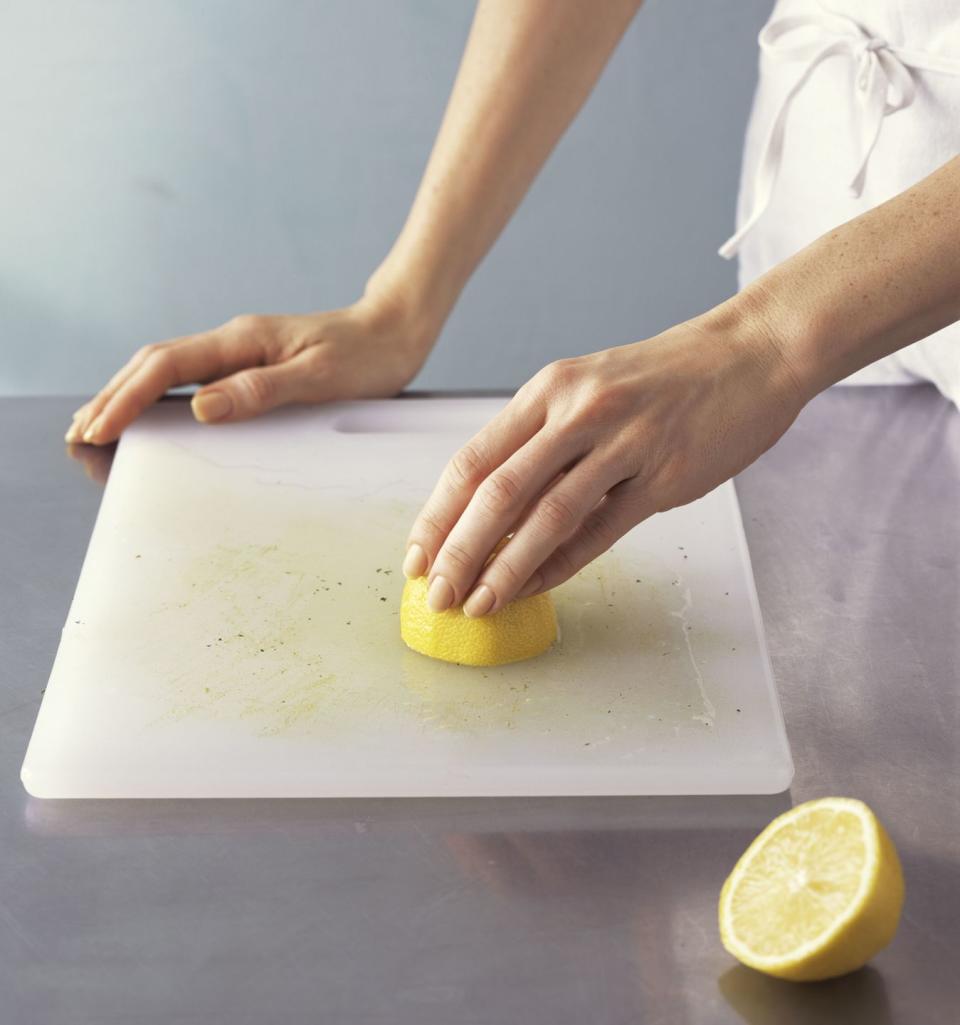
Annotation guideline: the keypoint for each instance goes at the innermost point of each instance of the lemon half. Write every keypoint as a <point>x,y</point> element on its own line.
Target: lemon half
<point>522,629</point>
<point>816,895</point>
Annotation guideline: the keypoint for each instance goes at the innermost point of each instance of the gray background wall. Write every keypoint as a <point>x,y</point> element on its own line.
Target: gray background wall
<point>164,166</point>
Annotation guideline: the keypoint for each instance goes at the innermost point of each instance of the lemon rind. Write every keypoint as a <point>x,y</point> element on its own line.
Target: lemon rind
<point>422,631</point>
<point>823,940</point>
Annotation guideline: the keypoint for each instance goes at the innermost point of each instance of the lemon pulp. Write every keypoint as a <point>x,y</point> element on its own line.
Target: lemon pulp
<point>522,629</point>
<point>816,895</point>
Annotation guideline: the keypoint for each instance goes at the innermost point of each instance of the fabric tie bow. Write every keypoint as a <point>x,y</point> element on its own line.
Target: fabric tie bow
<point>883,85</point>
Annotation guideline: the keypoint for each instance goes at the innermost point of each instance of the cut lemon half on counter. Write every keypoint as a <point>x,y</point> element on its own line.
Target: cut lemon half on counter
<point>522,629</point>
<point>816,895</point>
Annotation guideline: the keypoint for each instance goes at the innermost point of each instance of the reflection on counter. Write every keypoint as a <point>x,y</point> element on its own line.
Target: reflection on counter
<point>856,999</point>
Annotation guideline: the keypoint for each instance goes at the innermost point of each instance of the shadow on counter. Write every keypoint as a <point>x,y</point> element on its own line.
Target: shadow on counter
<point>856,999</point>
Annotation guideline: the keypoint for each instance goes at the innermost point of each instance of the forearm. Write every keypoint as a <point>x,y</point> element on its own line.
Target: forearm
<point>528,67</point>
<point>873,285</point>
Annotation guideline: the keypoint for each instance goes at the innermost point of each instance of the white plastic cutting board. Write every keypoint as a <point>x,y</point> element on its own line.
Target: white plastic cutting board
<point>235,633</point>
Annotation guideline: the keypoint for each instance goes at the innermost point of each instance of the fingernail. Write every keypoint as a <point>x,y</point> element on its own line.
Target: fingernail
<point>210,406</point>
<point>533,584</point>
<point>414,562</point>
<point>73,434</point>
<point>440,596</point>
<point>93,430</point>
<point>480,602</point>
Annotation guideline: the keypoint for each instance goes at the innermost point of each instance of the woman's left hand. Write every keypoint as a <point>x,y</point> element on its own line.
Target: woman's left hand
<point>590,447</point>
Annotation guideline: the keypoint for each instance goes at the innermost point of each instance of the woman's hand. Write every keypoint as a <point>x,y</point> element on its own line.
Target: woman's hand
<point>367,350</point>
<point>526,71</point>
<point>593,445</point>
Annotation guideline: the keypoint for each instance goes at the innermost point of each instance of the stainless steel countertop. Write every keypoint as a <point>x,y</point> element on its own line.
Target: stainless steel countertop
<point>501,911</point>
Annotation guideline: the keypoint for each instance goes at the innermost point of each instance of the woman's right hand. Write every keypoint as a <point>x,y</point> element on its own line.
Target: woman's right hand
<point>255,362</point>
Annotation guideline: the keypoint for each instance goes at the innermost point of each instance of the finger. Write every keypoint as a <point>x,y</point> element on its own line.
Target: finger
<point>255,390</point>
<point>87,425</point>
<point>551,522</point>
<point>515,526</point>
<point>89,411</point>
<point>207,345</point>
<point>168,365</point>
<point>493,509</point>
<point>621,509</point>
<point>243,334</point>
<point>508,431</point>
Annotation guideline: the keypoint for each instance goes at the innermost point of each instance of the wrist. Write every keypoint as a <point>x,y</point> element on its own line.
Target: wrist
<point>416,285</point>
<point>392,304</point>
<point>817,312</point>
<point>769,329</point>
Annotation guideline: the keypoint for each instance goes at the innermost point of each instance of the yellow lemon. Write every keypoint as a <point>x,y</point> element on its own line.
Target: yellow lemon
<point>522,629</point>
<point>816,895</point>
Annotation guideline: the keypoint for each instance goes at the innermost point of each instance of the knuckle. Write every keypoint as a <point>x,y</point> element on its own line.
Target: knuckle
<point>246,323</point>
<point>468,467</point>
<point>146,351</point>
<point>159,360</point>
<point>317,359</point>
<point>557,513</point>
<point>457,555</point>
<point>501,491</point>
<point>560,567</point>
<point>600,402</point>
<point>508,573</point>
<point>527,392</point>
<point>428,526</point>
<point>599,529</point>
<point>559,374</point>
<point>257,387</point>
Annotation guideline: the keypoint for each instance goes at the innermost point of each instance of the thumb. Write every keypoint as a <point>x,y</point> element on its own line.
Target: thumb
<point>247,393</point>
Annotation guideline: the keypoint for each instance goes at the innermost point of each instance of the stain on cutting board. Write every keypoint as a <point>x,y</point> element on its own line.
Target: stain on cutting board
<point>296,632</point>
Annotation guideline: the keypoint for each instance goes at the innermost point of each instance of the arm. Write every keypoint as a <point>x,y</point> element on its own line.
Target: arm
<point>591,446</point>
<point>527,70</point>
<point>872,286</point>
<point>529,66</point>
